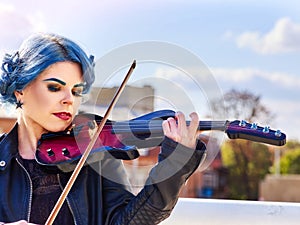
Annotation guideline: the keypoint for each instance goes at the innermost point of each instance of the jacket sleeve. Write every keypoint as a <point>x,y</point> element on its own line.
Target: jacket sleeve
<point>157,199</point>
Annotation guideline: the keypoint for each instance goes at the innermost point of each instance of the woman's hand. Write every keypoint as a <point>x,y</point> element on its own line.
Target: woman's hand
<point>21,222</point>
<point>177,129</point>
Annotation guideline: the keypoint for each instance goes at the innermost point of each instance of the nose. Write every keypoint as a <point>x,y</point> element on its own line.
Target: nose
<point>68,98</point>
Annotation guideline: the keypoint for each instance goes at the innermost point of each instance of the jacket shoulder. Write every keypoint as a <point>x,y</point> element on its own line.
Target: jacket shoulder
<point>2,136</point>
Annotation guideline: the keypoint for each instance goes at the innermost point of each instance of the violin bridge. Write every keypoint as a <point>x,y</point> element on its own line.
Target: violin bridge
<point>92,128</point>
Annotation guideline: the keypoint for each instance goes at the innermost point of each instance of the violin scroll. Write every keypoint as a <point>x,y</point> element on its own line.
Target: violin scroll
<point>251,131</point>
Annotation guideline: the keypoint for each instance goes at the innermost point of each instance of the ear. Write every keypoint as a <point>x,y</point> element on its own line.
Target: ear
<point>18,94</point>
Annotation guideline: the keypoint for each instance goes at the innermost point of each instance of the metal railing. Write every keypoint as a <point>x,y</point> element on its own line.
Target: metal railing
<point>233,212</point>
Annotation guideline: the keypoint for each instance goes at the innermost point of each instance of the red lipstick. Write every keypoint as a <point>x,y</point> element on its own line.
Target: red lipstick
<point>63,115</point>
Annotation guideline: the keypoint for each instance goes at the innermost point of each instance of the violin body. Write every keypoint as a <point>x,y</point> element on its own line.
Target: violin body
<point>64,149</point>
<point>121,139</point>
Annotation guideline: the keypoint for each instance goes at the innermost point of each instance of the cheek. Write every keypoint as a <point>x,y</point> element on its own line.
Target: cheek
<point>77,104</point>
<point>37,99</point>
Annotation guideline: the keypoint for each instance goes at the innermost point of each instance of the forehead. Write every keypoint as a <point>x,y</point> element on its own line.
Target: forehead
<point>69,72</point>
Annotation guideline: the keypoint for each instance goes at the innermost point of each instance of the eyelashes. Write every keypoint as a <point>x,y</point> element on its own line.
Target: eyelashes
<point>53,88</point>
<point>76,91</point>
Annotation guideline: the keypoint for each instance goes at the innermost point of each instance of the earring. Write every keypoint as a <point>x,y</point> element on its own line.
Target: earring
<point>19,104</point>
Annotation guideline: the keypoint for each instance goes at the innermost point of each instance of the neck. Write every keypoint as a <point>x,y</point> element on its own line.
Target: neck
<point>28,137</point>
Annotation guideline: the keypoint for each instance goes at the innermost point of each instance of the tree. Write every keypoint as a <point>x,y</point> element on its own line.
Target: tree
<point>248,162</point>
<point>290,160</point>
<point>242,105</point>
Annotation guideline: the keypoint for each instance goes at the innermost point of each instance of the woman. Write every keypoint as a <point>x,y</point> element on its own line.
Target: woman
<point>46,79</point>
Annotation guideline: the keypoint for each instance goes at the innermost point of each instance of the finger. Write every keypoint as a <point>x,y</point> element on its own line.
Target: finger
<point>173,124</point>
<point>170,129</point>
<point>169,126</point>
<point>194,124</point>
<point>181,123</point>
<point>166,127</point>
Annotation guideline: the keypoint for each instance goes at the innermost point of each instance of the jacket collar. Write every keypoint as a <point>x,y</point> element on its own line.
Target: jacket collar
<point>8,147</point>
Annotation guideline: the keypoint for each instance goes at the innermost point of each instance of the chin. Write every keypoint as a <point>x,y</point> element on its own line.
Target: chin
<point>58,128</point>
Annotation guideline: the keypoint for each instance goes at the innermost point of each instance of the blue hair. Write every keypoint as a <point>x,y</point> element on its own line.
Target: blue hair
<point>36,54</point>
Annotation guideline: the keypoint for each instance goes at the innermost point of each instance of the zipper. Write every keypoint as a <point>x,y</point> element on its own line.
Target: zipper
<point>31,190</point>
<point>68,202</point>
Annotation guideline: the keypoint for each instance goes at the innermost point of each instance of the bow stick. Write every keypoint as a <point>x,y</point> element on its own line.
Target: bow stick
<point>86,153</point>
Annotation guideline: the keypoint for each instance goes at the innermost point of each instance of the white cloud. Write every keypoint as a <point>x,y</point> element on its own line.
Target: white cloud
<point>246,74</point>
<point>285,111</point>
<point>283,37</point>
<point>15,26</point>
<point>6,7</point>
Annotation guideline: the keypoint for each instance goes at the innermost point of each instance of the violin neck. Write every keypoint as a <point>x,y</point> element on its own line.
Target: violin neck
<point>212,125</point>
<point>155,127</point>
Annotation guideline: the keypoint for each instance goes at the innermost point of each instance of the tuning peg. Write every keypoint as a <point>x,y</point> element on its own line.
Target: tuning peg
<point>254,126</point>
<point>243,123</point>
<point>278,133</point>
<point>266,129</point>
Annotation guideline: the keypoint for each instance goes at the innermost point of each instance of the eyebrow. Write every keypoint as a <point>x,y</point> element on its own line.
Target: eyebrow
<point>56,80</point>
<point>80,85</point>
<point>64,83</point>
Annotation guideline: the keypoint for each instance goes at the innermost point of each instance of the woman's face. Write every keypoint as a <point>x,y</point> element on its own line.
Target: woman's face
<point>51,101</point>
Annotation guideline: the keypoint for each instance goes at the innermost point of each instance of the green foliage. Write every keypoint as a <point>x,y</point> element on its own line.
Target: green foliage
<point>292,144</point>
<point>227,155</point>
<point>248,163</point>
<point>290,161</point>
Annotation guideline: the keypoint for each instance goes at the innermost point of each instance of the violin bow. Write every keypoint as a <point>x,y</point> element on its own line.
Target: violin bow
<point>86,153</point>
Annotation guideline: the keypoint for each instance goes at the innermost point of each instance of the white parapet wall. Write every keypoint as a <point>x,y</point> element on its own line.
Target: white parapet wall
<point>189,211</point>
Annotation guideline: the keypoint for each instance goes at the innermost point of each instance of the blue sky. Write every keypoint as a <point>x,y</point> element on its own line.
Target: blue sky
<point>248,45</point>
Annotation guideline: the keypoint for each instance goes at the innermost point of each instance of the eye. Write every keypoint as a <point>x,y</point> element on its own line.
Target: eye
<point>53,87</point>
<point>77,92</point>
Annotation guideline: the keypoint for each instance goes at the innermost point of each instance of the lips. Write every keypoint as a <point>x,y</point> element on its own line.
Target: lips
<point>63,115</point>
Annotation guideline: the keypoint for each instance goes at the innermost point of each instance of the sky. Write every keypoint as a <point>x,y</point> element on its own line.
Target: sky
<point>246,45</point>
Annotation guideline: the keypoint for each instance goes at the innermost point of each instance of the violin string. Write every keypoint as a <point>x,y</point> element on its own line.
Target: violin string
<point>153,125</point>
<point>205,124</point>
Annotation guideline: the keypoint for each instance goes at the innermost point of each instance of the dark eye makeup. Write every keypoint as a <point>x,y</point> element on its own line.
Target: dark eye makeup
<point>55,85</point>
<point>77,92</point>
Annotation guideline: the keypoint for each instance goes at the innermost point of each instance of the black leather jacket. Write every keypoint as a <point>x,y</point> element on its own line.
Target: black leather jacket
<point>95,199</point>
